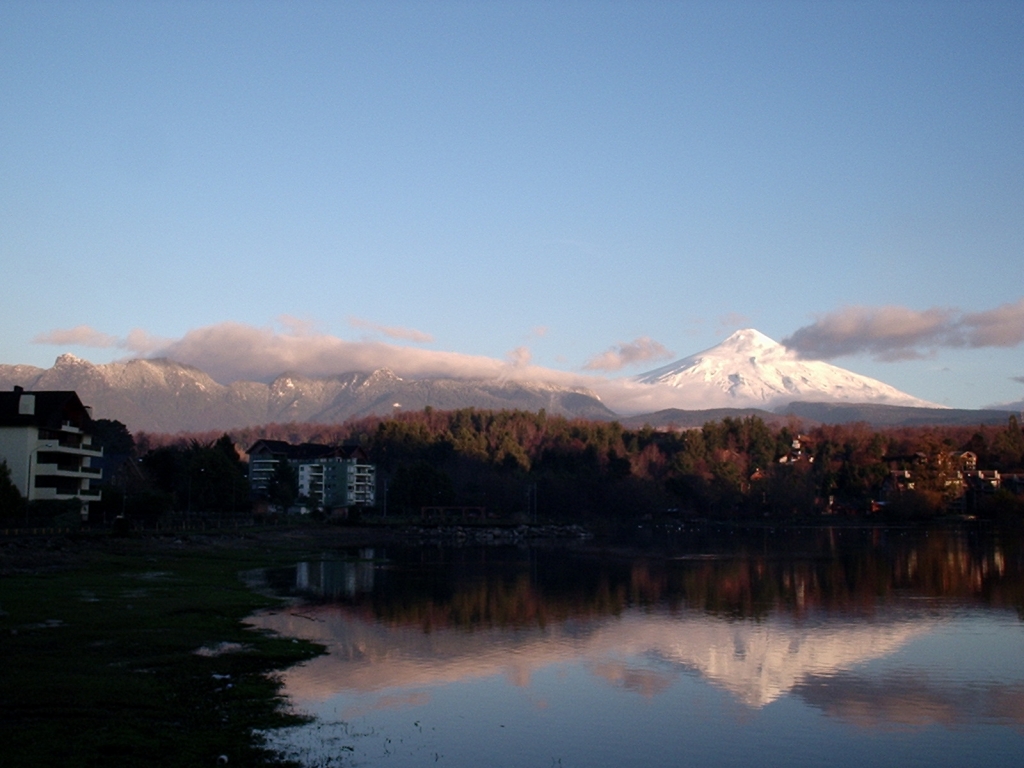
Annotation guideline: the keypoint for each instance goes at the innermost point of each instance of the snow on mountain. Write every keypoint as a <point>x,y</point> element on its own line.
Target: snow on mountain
<point>758,662</point>
<point>161,395</point>
<point>749,369</point>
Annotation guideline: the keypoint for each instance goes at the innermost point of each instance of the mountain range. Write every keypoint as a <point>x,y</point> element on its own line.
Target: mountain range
<point>746,374</point>
<point>161,395</point>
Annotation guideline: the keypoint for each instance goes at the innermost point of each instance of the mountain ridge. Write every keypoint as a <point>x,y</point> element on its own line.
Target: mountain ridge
<point>161,395</point>
<point>748,374</point>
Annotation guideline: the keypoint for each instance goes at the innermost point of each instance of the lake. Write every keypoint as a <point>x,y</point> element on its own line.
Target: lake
<point>688,646</point>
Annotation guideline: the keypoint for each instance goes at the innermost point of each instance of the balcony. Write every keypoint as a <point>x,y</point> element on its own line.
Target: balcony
<point>60,494</point>
<point>65,470</point>
<point>60,483</point>
<point>73,447</point>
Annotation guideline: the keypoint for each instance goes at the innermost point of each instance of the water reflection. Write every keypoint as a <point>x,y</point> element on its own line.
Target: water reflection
<point>906,700</point>
<point>877,630</point>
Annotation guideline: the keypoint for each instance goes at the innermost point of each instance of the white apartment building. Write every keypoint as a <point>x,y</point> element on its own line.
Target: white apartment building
<point>45,441</point>
<point>331,478</point>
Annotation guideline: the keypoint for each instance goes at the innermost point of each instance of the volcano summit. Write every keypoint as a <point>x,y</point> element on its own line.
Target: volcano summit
<point>749,369</point>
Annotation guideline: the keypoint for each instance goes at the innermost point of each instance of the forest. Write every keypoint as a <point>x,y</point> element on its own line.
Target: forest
<point>520,464</point>
<point>523,466</point>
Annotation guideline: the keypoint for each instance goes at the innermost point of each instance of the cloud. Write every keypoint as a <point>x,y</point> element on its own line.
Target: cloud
<point>999,327</point>
<point>137,340</point>
<point>1019,379</point>
<point>730,321</point>
<point>297,326</point>
<point>392,332</point>
<point>232,351</point>
<point>519,357</point>
<point>141,342</point>
<point>899,333</point>
<point>80,335</point>
<point>899,700</point>
<point>617,357</point>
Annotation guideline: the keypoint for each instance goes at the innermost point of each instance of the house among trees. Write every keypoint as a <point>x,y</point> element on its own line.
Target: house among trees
<point>799,450</point>
<point>46,441</point>
<point>326,478</point>
<point>952,476</point>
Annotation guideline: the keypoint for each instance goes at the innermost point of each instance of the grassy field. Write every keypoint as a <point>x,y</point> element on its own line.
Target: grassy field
<point>133,651</point>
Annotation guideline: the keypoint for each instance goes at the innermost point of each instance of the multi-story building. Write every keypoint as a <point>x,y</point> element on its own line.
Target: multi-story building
<point>45,439</point>
<point>329,478</point>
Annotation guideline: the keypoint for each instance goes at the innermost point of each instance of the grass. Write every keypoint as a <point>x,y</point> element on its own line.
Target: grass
<point>98,662</point>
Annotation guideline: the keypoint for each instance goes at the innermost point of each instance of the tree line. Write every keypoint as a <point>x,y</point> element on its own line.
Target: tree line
<point>521,465</point>
<point>517,463</point>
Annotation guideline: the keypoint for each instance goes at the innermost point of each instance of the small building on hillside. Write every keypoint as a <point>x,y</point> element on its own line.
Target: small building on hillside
<point>331,478</point>
<point>46,440</point>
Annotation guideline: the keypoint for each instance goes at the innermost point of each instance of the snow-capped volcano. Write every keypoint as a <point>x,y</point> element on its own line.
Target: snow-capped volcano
<point>749,369</point>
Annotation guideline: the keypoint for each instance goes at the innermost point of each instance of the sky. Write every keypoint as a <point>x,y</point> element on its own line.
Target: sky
<point>469,188</point>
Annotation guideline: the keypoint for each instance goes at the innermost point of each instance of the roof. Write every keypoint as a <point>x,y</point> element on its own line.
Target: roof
<point>51,409</point>
<point>269,447</point>
<point>304,452</point>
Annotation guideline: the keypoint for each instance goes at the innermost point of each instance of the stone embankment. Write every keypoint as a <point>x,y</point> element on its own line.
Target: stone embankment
<point>521,534</point>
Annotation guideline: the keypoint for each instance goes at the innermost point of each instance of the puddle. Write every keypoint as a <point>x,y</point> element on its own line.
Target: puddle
<point>220,649</point>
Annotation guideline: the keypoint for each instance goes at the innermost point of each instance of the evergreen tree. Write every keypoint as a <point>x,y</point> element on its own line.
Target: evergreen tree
<point>12,505</point>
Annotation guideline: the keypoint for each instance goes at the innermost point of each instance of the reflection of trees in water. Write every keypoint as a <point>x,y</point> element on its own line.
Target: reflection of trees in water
<point>850,571</point>
<point>494,587</point>
<point>855,571</point>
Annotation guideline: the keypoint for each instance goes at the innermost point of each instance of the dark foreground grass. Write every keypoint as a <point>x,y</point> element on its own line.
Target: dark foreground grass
<point>98,662</point>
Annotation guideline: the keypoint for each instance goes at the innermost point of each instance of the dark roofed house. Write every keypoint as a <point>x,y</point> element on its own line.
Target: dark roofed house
<point>46,440</point>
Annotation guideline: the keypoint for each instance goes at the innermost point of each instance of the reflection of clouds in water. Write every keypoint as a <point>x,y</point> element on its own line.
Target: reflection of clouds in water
<point>909,700</point>
<point>388,702</point>
<point>757,662</point>
<point>646,682</point>
<point>519,675</point>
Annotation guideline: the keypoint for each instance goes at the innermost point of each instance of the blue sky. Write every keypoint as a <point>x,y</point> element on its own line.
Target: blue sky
<point>541,183</point>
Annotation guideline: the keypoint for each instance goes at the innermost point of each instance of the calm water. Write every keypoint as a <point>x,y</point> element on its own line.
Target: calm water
<point>850,648</point>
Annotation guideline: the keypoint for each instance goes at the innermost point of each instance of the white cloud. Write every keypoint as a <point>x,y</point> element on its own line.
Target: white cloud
<point>232,351</point>
<point>297,326</point>
<point>392,332</point>
<point>899,333</point>
<point>141,342</point>
<point>628,353</point>
<point>80,335</point>
<point>137,340</point>
<point>238,352</point>
<point>999,327</point>
<point>519,357</point>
